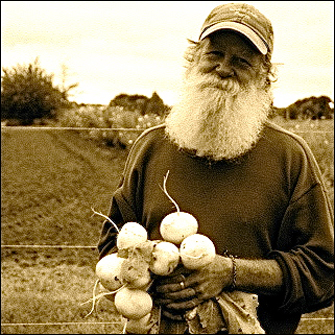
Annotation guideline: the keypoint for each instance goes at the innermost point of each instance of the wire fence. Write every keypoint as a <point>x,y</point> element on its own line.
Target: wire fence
<point>69,128</point>
<point>38,128</point>
<point>33,324</point>
<point>62,246</point>
<point>65,246</point>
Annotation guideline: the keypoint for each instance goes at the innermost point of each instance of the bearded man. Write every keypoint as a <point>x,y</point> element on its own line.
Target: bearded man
<point>254,188</point>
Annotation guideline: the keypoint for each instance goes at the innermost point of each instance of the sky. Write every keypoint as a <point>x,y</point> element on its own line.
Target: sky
<point>137,47</point>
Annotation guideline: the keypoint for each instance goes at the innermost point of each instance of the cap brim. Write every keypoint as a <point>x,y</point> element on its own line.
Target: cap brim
<point>241,28</point>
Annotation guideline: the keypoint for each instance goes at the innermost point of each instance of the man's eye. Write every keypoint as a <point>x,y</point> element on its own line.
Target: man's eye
<point>215,53</point>
<point>242,61</point>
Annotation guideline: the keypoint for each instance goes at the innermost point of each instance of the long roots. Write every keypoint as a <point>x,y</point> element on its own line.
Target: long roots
<point>167,194</point>
<point>96,298</point>
<point>109,219</point>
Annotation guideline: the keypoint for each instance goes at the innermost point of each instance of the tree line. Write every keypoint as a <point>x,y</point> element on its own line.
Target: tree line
<point>29,94</point>
<point>312,108</point>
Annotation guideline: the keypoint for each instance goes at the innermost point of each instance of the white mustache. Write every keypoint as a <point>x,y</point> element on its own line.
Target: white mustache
<point>227,85</point>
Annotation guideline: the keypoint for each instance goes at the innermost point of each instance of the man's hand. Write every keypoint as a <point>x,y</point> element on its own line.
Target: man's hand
<point>185,289</point>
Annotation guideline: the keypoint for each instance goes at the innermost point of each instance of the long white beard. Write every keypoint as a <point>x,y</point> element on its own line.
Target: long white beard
<point>216,118</point>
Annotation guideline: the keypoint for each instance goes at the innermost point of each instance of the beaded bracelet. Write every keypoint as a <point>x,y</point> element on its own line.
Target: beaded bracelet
<point>233,284</point>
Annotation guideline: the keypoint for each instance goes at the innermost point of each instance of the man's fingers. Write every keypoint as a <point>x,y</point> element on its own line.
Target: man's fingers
<point>169,288</point>
<point>183,305</point>
<point>183,294</point>
<point>193,279</point>
<point>171,280</point>
<point>173,316</point>
<point>178,283</point>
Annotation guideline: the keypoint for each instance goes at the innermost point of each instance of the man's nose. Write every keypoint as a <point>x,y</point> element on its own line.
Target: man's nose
<point>225,69</point>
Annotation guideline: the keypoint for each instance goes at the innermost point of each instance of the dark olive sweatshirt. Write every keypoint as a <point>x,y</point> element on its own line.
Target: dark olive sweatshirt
<point>270,204</point>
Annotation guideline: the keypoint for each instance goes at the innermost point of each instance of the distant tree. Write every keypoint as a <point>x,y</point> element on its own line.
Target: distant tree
<point>65,89</point>
<point>311,108</point>
<point>324,108</point>
<point>156,105</point>
<point>140,103</point>
<point>28,93</point>
<point>276,111</point>
<point>132,103</point>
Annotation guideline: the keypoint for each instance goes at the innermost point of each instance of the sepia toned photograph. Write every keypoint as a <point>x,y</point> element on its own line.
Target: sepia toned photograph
<point>167,167</point>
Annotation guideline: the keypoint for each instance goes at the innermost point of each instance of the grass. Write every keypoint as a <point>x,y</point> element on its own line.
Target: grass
<point>56,294</point>
<point>50,181</point>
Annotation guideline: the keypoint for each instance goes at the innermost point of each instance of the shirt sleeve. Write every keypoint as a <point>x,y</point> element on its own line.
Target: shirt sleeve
<point>305,243</point>
<point>126,200</point>
<point>121,211</point>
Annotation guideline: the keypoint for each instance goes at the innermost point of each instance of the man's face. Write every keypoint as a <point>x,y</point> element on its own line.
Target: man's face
<point>224,102</point>
<point>226,54</point>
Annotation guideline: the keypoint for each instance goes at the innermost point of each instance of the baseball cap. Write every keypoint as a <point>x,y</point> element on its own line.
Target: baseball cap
<point>243,18</point>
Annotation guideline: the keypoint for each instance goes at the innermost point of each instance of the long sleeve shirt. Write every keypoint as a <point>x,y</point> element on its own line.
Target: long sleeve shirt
<point>270,204</point>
